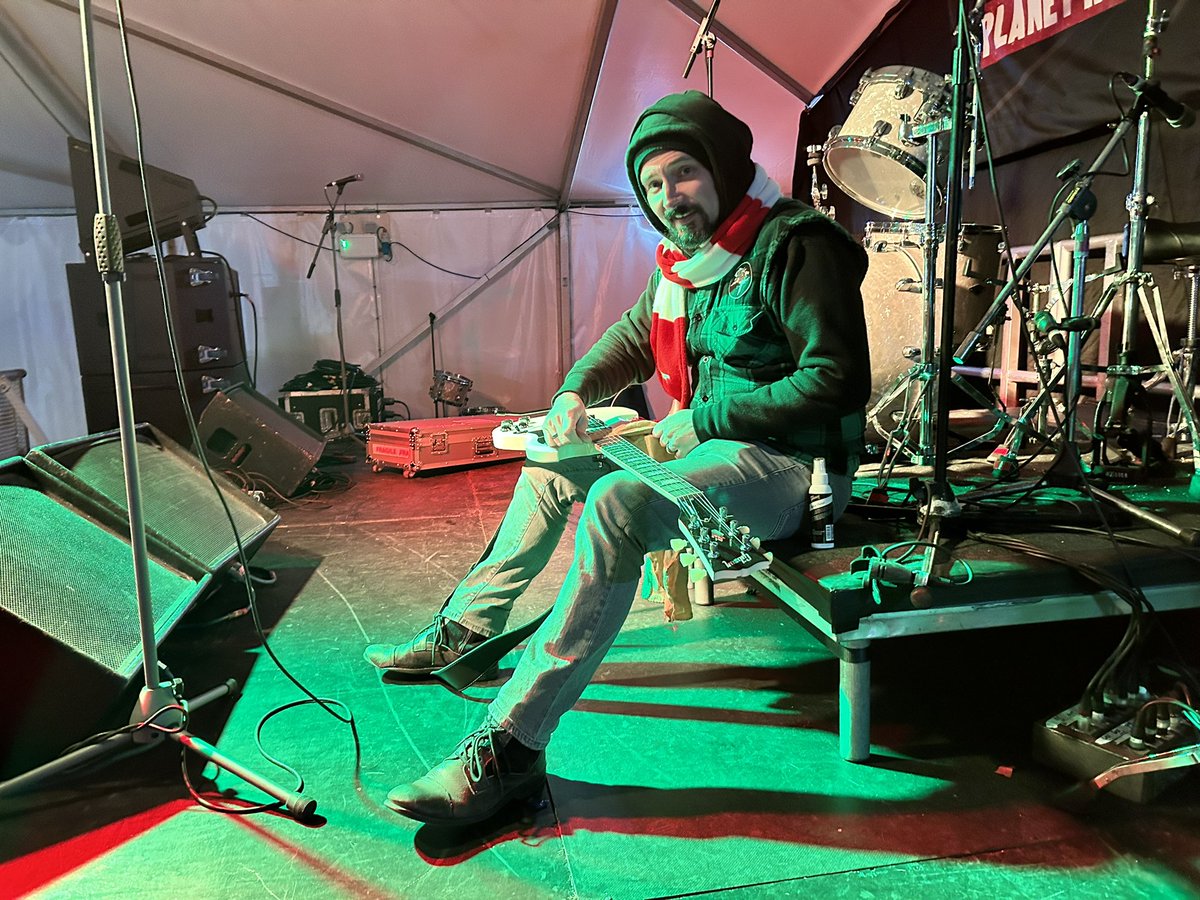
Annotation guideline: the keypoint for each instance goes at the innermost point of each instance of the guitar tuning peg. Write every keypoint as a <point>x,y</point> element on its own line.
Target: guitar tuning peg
<point>743,529</point>
<point>687,559</point>
<point>678,544</point>
<point>756,543</point>
<point>696,574</point>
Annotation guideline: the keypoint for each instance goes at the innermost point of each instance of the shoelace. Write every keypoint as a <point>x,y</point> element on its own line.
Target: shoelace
<point>473,759</point>
<point>439,636</point>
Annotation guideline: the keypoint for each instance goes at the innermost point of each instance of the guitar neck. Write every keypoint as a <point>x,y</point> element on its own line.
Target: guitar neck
<point>648,470</point>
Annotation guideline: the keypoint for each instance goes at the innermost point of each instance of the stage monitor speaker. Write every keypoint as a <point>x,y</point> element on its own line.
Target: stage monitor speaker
<point>243,432</point>
<point>184,518</point>
<point>69,632</point>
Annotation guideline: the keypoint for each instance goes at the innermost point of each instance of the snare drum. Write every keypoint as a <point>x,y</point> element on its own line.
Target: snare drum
<point>871,157</point>
<point>894,299</point>
<point>450,388</point>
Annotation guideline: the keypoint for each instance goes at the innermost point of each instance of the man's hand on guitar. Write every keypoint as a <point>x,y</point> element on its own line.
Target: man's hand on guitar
<point>677,433</point>
<point>566,421</point>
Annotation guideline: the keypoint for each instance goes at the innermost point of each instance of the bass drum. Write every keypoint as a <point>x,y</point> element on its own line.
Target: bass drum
<point>871,157</point>
<point>894,304</point>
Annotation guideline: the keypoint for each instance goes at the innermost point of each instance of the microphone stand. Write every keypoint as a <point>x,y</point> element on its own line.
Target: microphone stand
<point>160,711</point>
<point>704,38</point>
<point>330,229</point>
<point>939,500</point>
<point>435,391</point>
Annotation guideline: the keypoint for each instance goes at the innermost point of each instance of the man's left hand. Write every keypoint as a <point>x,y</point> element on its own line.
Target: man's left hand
<point>677,433</point>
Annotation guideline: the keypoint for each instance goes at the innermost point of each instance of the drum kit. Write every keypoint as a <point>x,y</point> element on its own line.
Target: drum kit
<point>887,157</point>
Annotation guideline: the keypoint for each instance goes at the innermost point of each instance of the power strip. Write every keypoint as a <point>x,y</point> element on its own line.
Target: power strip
<point>1085,746</point>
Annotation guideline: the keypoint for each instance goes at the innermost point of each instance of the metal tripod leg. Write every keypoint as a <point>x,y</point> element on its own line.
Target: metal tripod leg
<point>1186,360</point>
<point>116,746</point>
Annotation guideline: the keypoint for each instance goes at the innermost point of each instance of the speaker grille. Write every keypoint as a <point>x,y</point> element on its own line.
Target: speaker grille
<point>71,579</point>
<point>179,504</point>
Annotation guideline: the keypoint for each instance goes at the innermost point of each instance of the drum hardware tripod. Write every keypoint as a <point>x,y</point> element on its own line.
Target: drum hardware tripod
<point>917,384</point>
<point>1178,245</point>
<point>160,711</point>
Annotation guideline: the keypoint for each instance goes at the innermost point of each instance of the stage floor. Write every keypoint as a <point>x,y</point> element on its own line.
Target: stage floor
<point>702,759</point>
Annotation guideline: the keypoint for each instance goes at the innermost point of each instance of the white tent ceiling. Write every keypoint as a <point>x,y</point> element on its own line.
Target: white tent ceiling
<point>480,126</point>
<point>438,102</point>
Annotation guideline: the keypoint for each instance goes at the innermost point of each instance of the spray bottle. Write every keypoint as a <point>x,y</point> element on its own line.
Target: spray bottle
<point>820,507</point>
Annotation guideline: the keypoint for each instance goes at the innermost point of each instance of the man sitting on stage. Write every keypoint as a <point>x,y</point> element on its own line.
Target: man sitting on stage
<point>753,322</point>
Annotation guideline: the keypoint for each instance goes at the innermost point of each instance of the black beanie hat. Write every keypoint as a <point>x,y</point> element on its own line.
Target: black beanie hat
<point>695,124</point>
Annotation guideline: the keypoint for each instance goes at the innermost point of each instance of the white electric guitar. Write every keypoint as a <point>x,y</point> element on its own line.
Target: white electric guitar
<point>721,549</point>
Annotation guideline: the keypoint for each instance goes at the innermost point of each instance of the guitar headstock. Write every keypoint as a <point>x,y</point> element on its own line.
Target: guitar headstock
<point>720,548</point>
<point>523,425</point>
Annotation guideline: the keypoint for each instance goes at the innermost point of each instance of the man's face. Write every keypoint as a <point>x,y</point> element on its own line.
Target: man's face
<point>681,192</point>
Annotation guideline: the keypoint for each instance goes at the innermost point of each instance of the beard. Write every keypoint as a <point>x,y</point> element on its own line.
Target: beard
<point>693,234</point>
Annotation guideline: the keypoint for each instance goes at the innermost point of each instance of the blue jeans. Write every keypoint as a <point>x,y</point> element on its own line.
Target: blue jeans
<point>622,520</point>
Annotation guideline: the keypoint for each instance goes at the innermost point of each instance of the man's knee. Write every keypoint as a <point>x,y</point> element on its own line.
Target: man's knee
<point>620,503</point>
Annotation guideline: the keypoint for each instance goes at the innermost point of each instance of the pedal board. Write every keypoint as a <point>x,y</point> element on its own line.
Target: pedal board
<point>1085,746</point>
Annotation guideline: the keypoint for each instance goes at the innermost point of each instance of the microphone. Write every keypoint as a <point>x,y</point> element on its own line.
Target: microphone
<point>1045,322</point>
<point>342,182</point>
<point>1177,114</point>
<point>1048,328</point>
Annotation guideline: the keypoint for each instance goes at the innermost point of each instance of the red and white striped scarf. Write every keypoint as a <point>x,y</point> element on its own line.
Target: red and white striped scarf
<point>708,265</point>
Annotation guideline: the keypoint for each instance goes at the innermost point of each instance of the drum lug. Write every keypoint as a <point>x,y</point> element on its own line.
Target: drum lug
<point>882,127</point>
<point>833,133</point>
